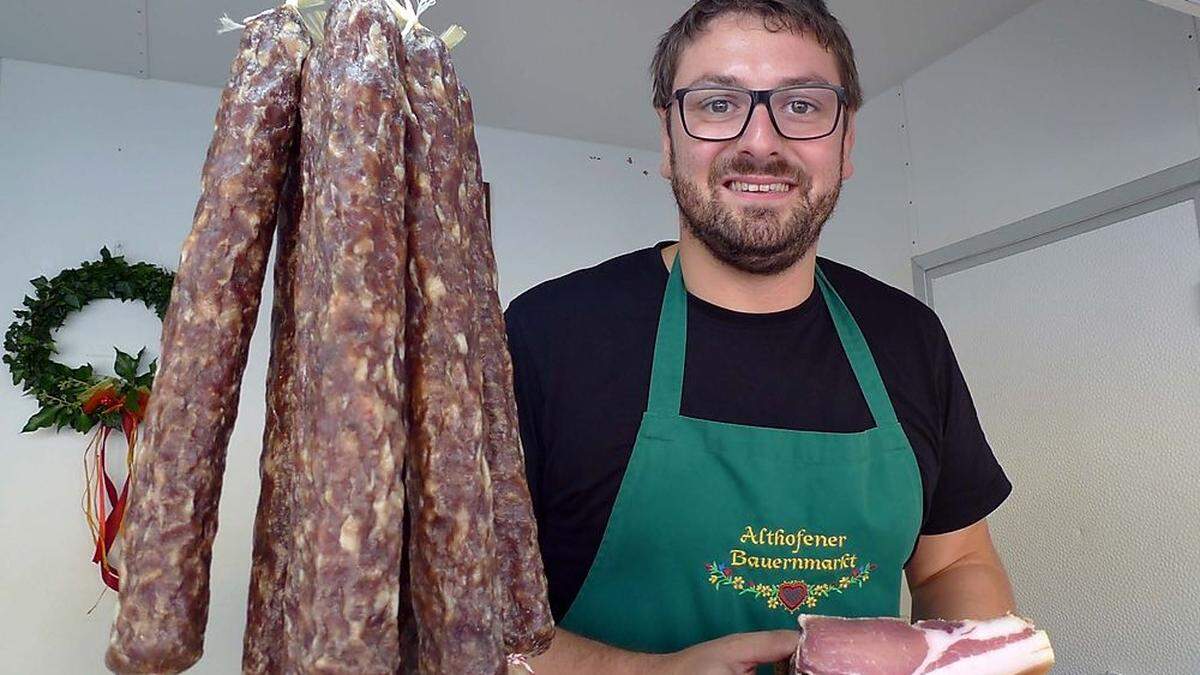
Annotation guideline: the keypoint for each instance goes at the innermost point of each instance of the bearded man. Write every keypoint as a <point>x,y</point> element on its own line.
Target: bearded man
<point>726,431</point>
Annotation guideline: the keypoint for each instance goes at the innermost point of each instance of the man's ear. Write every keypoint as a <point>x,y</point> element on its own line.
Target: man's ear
<point>664,132</point>
<point>847,146</point>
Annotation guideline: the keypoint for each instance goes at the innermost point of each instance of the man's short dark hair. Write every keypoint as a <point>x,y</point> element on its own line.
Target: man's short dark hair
<point>809,17</point>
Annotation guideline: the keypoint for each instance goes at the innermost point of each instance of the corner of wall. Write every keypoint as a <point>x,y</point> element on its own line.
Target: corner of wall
<point>914,221</point>
<point>143,31</point>
<point>1194,37</point>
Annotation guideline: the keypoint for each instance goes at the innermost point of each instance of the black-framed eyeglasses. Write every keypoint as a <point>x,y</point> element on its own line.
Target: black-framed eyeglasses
<point>799,113</point>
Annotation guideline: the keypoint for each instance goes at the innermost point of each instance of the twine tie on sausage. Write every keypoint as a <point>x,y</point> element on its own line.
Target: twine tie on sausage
<point>303,7</point>
<point>520,661</point>
<point>410,14</point>
<point>314,19</point>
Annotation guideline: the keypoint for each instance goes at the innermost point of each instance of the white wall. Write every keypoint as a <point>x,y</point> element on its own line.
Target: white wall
<point>873,227</point>
<point>89,159</point>
<point>1064,100</point>
<point>559,204</point>
<point>1098,433</point>
<point>86,160</point>
<point>1067,99</point>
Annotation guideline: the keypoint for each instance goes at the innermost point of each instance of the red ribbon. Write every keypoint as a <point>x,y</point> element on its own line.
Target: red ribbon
<point>109,505</point>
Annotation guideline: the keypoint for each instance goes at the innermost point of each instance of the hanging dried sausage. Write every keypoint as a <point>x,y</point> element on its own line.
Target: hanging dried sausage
<point>262,650</point>
<point>343,589</point>
<point>172,517</point>
<point>452,566</point>
<point>528,624</point>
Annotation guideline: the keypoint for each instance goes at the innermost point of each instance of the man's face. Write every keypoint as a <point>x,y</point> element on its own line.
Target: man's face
<point>758,232</point>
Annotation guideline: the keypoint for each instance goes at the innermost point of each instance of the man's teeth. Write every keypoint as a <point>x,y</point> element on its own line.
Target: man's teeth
<point>738,186</point>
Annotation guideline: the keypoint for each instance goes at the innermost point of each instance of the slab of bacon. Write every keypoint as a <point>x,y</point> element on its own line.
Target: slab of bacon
<point>1008,645</point>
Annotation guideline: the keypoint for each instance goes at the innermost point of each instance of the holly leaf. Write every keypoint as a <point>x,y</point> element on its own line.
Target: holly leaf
<point>42,418</point>
<point>83,423</point>
<point>111,420</point>
<point>126,365</point>
<point>131,401</point>
<point>146,379</point>
<point>64,418</point>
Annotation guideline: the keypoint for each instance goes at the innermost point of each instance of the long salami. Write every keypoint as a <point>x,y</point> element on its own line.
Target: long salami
<point>263,644</point>
<point>455,593</point>
<point>342,595</point>
<point>528,624</point>
<point>172,517</point>
<point>311,285</point>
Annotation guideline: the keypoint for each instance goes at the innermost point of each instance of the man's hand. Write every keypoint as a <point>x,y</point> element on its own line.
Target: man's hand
<point>733,654</point>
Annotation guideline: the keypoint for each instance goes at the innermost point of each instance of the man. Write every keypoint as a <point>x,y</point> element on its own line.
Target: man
<point>725,432</point>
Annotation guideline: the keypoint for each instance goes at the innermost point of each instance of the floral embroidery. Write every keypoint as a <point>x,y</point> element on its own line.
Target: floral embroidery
<point>789,595</point>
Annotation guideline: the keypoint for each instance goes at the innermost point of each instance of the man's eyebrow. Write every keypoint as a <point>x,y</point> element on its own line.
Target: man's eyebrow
<point>804,79</point>
<point>721,80</point>
<point>717,79</point>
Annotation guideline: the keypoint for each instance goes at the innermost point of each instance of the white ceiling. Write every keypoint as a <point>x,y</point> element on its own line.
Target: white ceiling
<point>573,68</point>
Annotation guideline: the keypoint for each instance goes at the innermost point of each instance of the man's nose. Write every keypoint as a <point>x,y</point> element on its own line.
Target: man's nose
<point>760,138</point>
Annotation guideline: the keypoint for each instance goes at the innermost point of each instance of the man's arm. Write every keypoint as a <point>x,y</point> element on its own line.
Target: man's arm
<point>571,653</point>
<point>959,575</point>
<point>731,655</point>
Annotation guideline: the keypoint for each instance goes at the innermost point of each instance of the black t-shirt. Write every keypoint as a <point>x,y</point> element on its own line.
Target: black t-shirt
<point>582,346</point>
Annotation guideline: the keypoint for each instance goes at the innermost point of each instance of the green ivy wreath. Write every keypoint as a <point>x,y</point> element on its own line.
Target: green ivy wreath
<point>77,397</point>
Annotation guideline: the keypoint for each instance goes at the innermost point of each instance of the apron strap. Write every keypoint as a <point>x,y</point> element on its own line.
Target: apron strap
<point>670,350</point>
<point>862,362</point>
<point>670,347</point>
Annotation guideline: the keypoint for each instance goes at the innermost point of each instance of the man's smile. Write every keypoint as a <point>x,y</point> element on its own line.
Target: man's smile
<point>759,189</point>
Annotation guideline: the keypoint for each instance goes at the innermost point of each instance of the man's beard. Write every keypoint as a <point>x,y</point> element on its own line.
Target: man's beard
<point>754,239</point>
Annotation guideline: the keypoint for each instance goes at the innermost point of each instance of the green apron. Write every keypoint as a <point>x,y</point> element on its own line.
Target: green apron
<point>723,528</point>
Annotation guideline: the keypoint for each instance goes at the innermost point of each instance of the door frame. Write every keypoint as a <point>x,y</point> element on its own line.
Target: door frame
<point>1154,192</point>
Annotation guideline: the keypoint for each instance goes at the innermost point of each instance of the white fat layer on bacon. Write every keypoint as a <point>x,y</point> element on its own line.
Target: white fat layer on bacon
<point>1011,659</point>
<point>939,641</point>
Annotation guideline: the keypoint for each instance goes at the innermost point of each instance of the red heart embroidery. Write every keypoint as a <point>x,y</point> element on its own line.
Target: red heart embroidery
<point>793,594</point>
